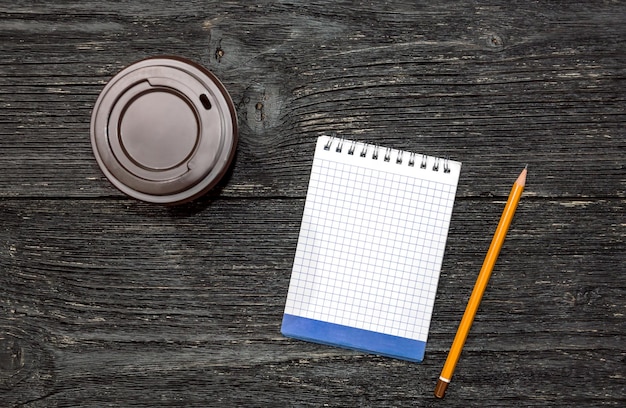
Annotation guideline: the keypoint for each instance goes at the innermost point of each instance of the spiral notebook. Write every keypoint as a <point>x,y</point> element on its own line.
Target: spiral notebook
<point>370,248</point>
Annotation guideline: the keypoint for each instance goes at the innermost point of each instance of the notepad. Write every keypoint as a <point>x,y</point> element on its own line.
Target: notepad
<point>370,248</point>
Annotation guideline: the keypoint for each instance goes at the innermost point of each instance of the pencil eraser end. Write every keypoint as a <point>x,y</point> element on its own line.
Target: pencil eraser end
<point>440,388</point>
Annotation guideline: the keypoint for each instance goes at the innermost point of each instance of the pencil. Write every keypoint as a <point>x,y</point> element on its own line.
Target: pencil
<point>481,284</point>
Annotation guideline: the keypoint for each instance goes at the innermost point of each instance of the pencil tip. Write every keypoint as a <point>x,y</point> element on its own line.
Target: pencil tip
<point>521,180</point>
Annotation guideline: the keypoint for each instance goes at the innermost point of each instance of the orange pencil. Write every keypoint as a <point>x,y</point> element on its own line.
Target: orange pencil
<point>481,284</point>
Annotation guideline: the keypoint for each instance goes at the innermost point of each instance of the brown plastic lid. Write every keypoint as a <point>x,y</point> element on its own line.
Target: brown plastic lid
<point>164,130</point>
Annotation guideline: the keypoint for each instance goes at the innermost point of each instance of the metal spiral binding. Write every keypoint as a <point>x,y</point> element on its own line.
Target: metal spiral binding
<point>364,151</point>
<point>339,146</point>
<point>400,159</point>
<point>329,143</point>
<point>351,149</point>
<point>388,154</point>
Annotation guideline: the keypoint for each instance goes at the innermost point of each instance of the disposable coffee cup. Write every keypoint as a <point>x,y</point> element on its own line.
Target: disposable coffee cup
<point>164,130</point>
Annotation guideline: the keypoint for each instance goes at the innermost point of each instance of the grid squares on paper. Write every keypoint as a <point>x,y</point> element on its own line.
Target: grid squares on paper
<point>370,248</point>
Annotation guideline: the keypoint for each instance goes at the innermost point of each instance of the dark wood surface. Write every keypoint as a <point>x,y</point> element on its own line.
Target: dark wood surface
<point>108,301</point>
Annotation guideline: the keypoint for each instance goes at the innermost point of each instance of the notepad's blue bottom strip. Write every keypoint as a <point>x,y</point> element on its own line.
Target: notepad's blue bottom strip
<point>344,336</point>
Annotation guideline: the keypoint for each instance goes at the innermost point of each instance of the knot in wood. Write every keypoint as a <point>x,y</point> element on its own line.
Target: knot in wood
<point>219,53</point>
<point>495,41</point>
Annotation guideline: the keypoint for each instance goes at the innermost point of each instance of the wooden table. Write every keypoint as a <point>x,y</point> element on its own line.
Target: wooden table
<point>105,300</point>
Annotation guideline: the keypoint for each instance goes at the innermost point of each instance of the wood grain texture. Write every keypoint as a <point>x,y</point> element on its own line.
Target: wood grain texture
<point>451,80</point>
<point>107,301</point>
<point>138,297</point>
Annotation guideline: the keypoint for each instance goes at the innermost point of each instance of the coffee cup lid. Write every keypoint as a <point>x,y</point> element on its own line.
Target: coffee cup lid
<point>164,130</point>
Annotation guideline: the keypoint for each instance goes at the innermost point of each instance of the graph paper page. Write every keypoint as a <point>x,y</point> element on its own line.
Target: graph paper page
<point>371,245</point>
